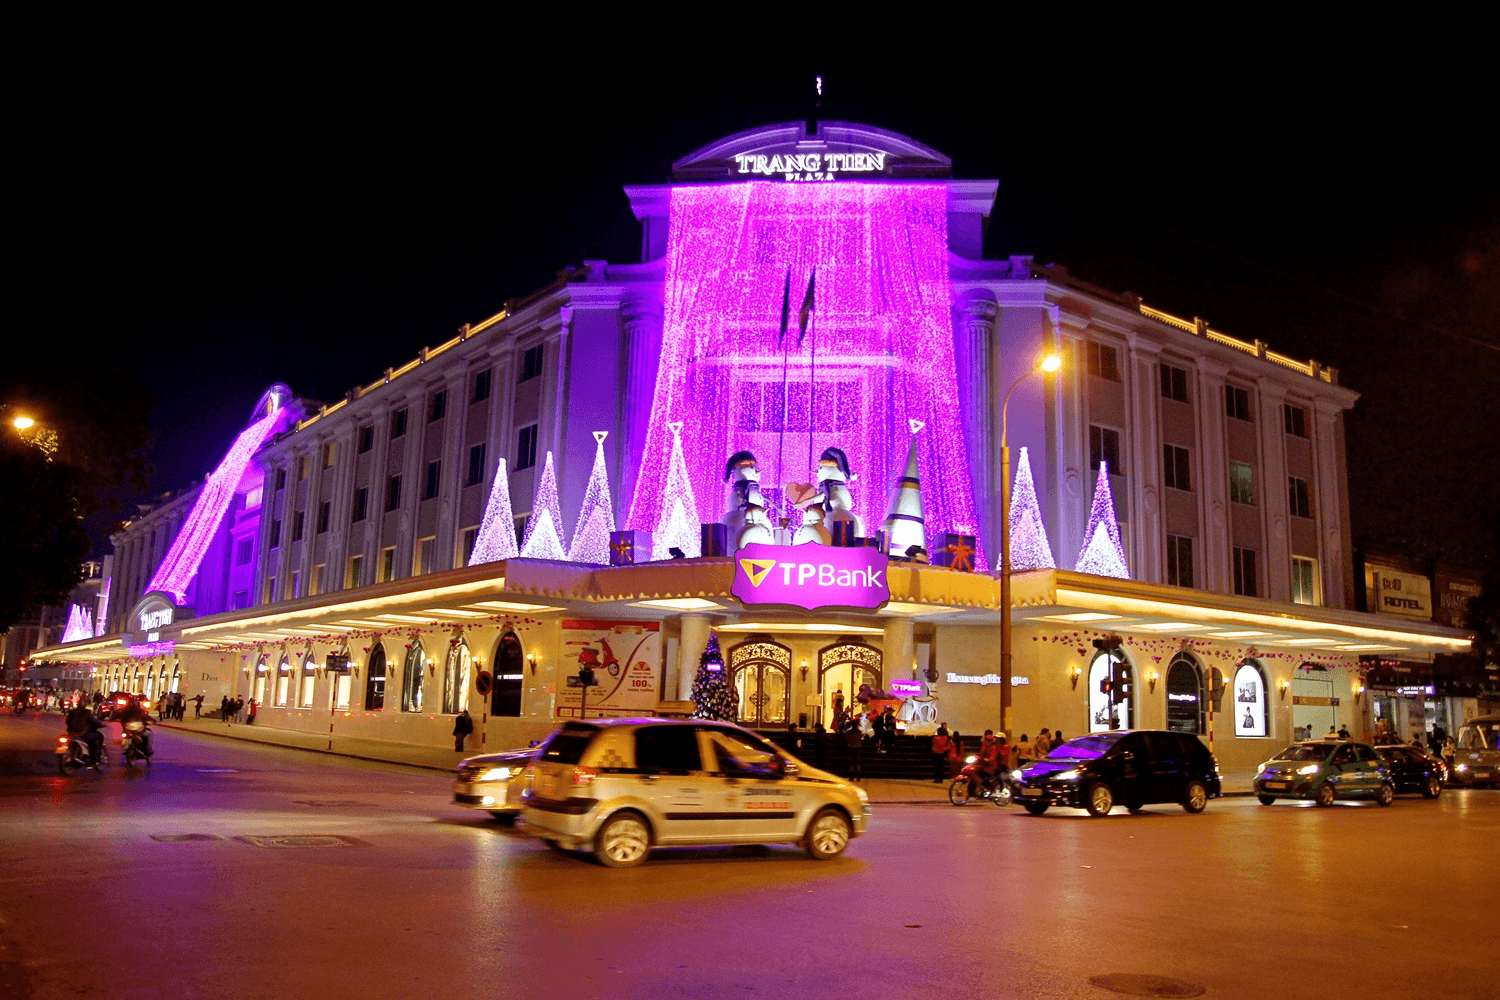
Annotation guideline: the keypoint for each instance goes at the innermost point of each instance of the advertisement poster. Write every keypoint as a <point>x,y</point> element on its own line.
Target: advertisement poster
<point>1249,702</point>
<point>626,660</point>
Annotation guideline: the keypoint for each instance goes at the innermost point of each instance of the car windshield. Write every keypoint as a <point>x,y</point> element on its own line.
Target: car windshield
<point>566,746</point>
<point>1303,751</point>
<point>1086,747</point>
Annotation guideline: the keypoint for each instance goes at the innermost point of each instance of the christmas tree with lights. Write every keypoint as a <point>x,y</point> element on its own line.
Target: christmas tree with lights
<point>597,517</point>
<point>713,697</point>
<point>1102,553</point>
<point>679,527</point>
<point>544,527</point>
<point>497,531</point>
<point>1029,547</point>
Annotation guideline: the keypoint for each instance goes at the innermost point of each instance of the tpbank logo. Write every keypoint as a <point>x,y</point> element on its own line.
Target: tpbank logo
<point>810,576</point>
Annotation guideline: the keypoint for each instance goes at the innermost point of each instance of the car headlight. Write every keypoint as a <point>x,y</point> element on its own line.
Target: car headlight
<point>495,774</point>
<point>1068,775</point>
<point>1016,774</point>
<point>1462,767</point>
<point>1308,769</point>
<point>861,793</point>
<point>1260,769</point>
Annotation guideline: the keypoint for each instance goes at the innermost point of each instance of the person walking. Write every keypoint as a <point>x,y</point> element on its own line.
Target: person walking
<point>198,706</point>
<point>239,708</point>
<point>940,745</point>
<point>224,708</point>
<point>888,735</point>
<point>1043,743</point>
<point>854,741</point>
<point>253,708</point>
<point>1057,741</point>
<point>462,727</point>
<point>1024,751</point>
<point>820,746</point>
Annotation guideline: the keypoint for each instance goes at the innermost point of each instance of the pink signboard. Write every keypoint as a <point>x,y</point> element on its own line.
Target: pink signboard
<point>810,577</point>
<point>906,689</point>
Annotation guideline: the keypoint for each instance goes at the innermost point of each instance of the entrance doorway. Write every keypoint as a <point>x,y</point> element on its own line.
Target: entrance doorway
<point>510,665</point>
<point>1313,710</point>
<point>761,674</point>
<point>842,670</point>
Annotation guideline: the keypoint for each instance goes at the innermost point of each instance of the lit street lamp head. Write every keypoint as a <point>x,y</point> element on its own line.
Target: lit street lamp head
<point>23,423</point>
<point>1050,363</point>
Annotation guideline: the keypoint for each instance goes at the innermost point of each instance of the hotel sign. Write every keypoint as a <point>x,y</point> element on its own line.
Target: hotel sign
<point>810,577</point>
<point>151,616</point>
<point>1391,592</point>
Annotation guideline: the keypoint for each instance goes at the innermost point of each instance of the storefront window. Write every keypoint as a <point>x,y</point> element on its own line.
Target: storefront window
<point>375,680</point>
<point>411,678</point>
<point>260,683</point>
<point>1251,709</point>
<point>510,665</point>
<point>305,687</point>
<point>283,683</point>
<point>176,677</point>
<point>456,678</point>
<point>1111,694</point>
<point>1185,695</point>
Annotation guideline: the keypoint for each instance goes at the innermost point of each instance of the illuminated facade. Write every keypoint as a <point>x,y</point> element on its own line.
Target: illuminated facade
<point>1219,463</point>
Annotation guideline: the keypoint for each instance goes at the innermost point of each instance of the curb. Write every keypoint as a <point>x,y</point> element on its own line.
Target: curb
<point>289,746</point>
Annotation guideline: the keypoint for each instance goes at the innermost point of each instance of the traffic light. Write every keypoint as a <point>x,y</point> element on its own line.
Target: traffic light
<point>1122,690</point>
<point>1105,685</point>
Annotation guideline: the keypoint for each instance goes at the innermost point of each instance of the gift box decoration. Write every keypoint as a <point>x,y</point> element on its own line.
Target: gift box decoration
<point>956,551</point>
<point>627,548</point>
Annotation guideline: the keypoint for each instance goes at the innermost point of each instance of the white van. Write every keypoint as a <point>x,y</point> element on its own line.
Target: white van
<point>1476,762</point>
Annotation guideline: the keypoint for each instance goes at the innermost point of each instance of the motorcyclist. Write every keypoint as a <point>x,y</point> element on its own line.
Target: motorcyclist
<point>130,715</point>
<point>989,758</point>
<point>84,724</point>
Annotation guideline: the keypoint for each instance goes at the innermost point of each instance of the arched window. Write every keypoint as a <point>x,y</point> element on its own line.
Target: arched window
<point>1185,695</point>
<point>305,685</point>
<point>283,683</point>
<point>456,673</point>
<point>1251,707</point>
<point>135,687</point>
<point>760,672</point>
<point>1111,693</point>
<point>411,678</point>
<point>260,682</point>
<point>510,665</point>
<point>176,677</point>
<point>375,679</point>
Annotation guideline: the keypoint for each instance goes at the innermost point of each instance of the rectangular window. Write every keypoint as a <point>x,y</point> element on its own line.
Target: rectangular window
<point>422,558</point>
<point>387,564</point>
<point>1104,445</point>
<point>1104,362</point>
<point>244,551</point>
<point>393,493</point>
<point>526,448</point>
<point>1298,499</point>
<point>240,601</point>
<point>1237,402</point>
<point>315,582</point>
<point>466,540</point>
<point>1179,561</point>
<point>323,511</point>
<point>531,364</point>
<point>1174,383</point>
<point>1244,572</point>
<point>437,409</point>
<point>481,387</point>
<point>270,591</point>
<point>434,480</point>
<point>1241,483</point>
<point>275,534</point>
<point>280,479</point>
<point>354,574</point>
<point>301,467</point>
<point>330,452</point>
<point>476,465</point>
<point>295,592</point>
<point>1295,419</point>
<point>398,424</point>
<point>366,438</point>
<point>1176,467</point>
<point>297,520</point>
<point>361,499</point>
<point>1304,580</point>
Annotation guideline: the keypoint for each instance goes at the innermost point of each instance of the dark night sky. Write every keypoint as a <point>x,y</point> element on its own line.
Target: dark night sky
<point>221,223</point>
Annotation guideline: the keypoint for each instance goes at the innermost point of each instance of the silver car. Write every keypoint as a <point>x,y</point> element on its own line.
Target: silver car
<point>493,782</point>
<point>620,787</point>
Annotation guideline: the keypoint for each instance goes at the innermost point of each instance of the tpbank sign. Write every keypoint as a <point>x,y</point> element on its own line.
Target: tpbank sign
<point>811,576</point>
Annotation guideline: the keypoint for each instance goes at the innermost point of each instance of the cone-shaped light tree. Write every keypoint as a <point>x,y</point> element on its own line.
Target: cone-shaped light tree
<point>80,624</point>
<point>1029,547</point>
<point>713,697</point>
<point>679,527</point>
<point>1102,553</point>
<point>544,527</point>
<point>596,519</point>
<point>497,530</point>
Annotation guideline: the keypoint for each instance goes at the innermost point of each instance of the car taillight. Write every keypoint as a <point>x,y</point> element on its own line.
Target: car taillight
<point>63,740</point>
<point>584,775</point>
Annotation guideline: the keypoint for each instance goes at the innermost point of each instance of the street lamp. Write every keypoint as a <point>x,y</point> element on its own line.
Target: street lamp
<point>23,423</point>
<point>1046,365</point>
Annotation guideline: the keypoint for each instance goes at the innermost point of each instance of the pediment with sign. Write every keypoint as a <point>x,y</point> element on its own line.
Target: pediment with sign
<point>813,151</point>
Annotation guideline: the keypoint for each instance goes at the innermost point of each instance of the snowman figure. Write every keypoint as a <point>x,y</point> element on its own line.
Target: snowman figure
<point>831,503</point>
<point>746,517</point>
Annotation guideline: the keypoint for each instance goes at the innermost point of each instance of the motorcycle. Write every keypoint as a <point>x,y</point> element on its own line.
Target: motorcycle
<point>970,784</point>
<point>74,754</point>
<point>136,742</point>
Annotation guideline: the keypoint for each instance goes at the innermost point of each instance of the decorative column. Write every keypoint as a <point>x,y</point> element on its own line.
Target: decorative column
<point>642,322</point>
<point>690,647</point>
<point>898,650</point>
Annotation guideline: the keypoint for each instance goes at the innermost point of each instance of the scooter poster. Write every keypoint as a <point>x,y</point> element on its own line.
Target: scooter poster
<point>626,660</point>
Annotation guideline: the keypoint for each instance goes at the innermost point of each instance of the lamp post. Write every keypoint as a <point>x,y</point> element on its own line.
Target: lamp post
<point>1048,364</point>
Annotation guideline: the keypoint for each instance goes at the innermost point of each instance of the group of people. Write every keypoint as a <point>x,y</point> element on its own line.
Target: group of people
<point>173,706</point>
<point>235,709</point>
<point>995,752</point>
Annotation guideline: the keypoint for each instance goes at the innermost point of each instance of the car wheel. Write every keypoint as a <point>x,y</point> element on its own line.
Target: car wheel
<point>1266,800</point>
<point>1035,808</point>
<point>958,792</point>
<point>1385,796</point>
<point>1432,789</point>
<point>1325,794</point>
<point>827,835</point>
<point>1194,797</point>
<point>623,841</point>
<point>1099,799</point>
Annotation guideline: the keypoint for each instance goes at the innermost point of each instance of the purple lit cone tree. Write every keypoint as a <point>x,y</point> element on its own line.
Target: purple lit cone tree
<point>544,527</point>
<point>713,697</point>
<point>596,519</point>
<point>1029,547</point>
<point>1102,553</point>
<point>678,526</point>
<point>497,531</point>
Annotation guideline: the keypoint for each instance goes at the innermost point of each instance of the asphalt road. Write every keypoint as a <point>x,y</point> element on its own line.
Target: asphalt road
<point>430,900</point>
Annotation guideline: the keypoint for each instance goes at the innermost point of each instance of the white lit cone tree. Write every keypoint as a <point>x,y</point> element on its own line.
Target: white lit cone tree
<point>596,519</point>
<point>713,698</point>
<point>679,527</point>
<point>544,528</point>
<point>1102,553</point>
<point>1029,547</point>
<point>497,532</point>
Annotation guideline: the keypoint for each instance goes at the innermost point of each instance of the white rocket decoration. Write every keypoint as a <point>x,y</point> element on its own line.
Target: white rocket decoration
<point>833,504</point>
<point>905,528</point>
<point>746,517</point>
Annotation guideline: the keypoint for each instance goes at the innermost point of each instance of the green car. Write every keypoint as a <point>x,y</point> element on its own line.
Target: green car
<point>1323,770</point>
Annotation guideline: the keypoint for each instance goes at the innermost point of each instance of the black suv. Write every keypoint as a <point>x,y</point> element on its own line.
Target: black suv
<point>1133,769</point>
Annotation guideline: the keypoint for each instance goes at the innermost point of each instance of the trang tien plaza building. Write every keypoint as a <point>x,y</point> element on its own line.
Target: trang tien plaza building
<point>783,427</point>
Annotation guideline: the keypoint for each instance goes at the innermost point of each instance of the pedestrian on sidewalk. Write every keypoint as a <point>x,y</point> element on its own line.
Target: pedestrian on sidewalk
<point>820,746</point>
<point>940,744</point>
<point>239,709</point>
<point>224,708</point>
<point>253,708</point>
<point>1024,751</point>
<point>854,740</point>
<point>1043,743</point>
<point>462,727</point>
<point>198,706</point>
<point>888,734</point>
<point>1057,741</point>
